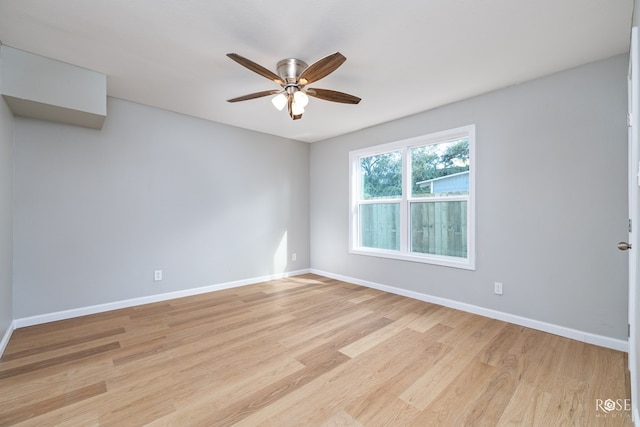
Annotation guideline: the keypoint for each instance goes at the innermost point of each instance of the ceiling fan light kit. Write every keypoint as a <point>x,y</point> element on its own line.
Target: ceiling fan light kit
<point>293,76</point>
<point>279,101</point>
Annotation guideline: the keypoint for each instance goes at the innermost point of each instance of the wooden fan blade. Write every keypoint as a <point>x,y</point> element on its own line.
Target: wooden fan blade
<point>290,108</point>
<point>333,95</point>
<point>256,68</point>
<point>321,68</point>
<point>254,95</point>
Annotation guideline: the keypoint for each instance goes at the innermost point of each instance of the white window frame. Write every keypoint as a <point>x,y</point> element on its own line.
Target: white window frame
<point>405,146</point>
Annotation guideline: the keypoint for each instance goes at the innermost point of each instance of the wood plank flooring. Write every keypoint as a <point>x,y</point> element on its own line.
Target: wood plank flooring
<point>304,351</point>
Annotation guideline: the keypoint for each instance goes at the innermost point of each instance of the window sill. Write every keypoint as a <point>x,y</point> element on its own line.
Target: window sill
<point>445,261</point>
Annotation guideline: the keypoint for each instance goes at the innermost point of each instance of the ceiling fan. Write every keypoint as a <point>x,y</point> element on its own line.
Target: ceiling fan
<point>294,75</point>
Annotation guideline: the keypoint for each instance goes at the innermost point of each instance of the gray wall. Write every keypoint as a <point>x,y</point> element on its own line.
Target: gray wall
<point>97,211</point>
<point>551,201</point>
<point>6,216</point>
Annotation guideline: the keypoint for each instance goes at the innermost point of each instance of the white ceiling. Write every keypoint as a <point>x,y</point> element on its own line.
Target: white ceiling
<point>403,57</point>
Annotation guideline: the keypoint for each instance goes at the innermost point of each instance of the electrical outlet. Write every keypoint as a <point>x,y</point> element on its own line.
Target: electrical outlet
<point>497,288</point>
<point>157,275</point>
<point>294,256</point>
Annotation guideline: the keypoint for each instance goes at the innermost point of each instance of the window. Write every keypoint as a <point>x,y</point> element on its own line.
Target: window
<point>414,199</point>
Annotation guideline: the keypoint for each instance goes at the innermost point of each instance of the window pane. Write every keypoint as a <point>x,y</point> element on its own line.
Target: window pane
<point>381,176</point>
<point>380,226</point>
<point>439,228</point>
<point>440,169</point>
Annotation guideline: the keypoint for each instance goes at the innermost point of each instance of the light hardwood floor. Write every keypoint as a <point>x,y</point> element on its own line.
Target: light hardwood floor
<point>304,351</point>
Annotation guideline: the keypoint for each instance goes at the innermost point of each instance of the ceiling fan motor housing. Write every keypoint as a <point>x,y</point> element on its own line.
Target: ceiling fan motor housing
<point>290,69</point>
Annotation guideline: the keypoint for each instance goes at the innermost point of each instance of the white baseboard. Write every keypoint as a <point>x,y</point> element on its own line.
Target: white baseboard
<point>84,311</point>
<point>599,340</point>
<point>6,337</point>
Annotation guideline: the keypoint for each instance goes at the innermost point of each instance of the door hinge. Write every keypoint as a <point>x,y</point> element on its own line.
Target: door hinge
<point>628,330</point>
<point>629,120</point>
<point>630,226</point>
